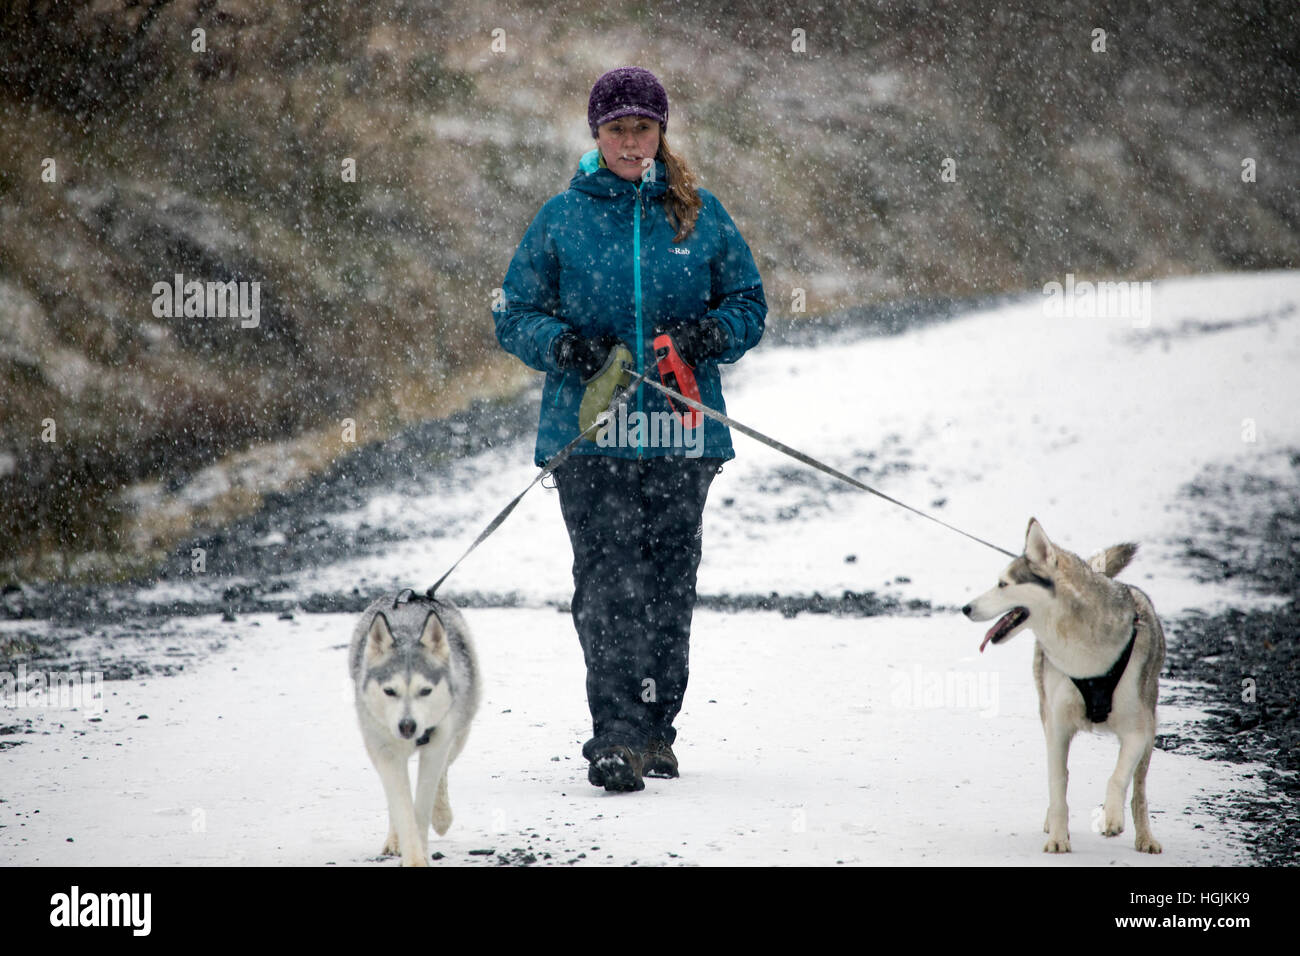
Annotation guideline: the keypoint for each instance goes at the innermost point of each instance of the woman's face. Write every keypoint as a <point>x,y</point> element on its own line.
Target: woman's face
<point>627,141</point>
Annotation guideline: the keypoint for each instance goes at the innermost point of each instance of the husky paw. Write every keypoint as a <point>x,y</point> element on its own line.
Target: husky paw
<point>1057,845</point>
<point>441,820</point>
<point>391,846</point>
<point>1112,825</point>
<point>1146,843</point>
<point>422,860</point>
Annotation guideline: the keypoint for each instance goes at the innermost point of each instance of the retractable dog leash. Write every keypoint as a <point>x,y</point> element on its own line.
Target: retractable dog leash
<point>670,362</point>
<point>678,377</point>
<point>556,460</point>
<point>806,459</point>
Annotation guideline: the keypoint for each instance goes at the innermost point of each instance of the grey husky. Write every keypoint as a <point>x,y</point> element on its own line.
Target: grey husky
<point>1097,665</point>
<point>417,688</point>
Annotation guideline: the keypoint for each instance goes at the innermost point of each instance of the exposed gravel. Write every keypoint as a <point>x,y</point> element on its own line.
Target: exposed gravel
<point>1248,529</point>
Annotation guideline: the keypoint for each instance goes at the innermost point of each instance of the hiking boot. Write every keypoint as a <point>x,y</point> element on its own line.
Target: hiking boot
<point>616,768</point>
<point>659,760</point>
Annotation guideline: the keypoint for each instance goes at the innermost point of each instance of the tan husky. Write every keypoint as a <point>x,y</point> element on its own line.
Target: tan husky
<point>1097,665</point>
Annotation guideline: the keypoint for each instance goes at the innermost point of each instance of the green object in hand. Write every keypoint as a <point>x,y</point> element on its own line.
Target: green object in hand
<point>611,379</point>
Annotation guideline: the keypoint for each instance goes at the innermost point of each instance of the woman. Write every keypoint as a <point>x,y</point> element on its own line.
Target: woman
<point>632,250</point>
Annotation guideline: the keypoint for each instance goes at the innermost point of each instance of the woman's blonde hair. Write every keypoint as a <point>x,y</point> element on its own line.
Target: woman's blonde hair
<point>682,202</point>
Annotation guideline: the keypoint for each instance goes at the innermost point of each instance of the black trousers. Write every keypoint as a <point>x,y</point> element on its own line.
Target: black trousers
<point>636,531</point>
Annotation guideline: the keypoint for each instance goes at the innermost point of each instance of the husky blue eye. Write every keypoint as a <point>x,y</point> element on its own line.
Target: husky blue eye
<point>426,692</point>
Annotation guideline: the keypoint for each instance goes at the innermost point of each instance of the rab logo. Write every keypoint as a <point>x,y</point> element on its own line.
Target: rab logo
<point>679,251</point>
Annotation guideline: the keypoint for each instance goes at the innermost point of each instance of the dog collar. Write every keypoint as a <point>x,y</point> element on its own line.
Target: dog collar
<point>1098,692</point>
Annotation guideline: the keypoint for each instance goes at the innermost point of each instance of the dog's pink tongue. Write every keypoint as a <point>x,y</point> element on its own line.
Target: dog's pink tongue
<point>1005,624</point>
<point>999,627</point>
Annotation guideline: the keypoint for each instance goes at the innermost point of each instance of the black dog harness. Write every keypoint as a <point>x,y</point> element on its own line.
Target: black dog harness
<point>1098,691</point>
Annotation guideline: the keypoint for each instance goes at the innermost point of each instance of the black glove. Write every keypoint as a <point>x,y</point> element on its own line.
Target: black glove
<point>585,356</point>
<point>696,341</point>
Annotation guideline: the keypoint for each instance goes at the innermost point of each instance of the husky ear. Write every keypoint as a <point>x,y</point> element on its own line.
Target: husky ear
<point>1113,560</point>
<point>434,638</point>
<point>379,639</point>
<point>1038,549</point>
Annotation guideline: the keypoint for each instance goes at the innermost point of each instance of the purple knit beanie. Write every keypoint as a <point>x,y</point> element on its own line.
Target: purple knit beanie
<point>627,91</point>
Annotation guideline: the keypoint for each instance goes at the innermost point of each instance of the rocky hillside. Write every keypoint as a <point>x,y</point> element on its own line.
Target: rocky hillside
<point>134,149</point>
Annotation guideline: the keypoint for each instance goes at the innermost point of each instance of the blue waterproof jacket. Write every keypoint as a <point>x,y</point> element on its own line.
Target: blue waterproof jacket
<point>600,258</point>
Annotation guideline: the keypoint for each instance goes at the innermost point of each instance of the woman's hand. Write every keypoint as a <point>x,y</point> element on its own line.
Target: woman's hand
<point>585,356</point>
<point>696,341</point>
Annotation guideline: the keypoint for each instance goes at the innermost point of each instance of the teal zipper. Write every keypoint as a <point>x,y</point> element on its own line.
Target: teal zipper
<point>636,285</point>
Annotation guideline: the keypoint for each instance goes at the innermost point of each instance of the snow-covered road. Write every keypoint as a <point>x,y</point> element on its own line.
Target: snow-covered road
<point>808,741</point>
<point>812,740</point>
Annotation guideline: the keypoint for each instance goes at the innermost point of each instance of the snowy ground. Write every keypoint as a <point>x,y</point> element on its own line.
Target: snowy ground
<point>810,740</point>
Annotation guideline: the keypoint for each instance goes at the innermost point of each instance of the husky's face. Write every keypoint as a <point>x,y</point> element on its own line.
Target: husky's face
<point>406,686</point>
<point>1025,591</point>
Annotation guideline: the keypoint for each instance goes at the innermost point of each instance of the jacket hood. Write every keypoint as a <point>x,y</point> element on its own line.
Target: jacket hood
<point>598,180</point>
